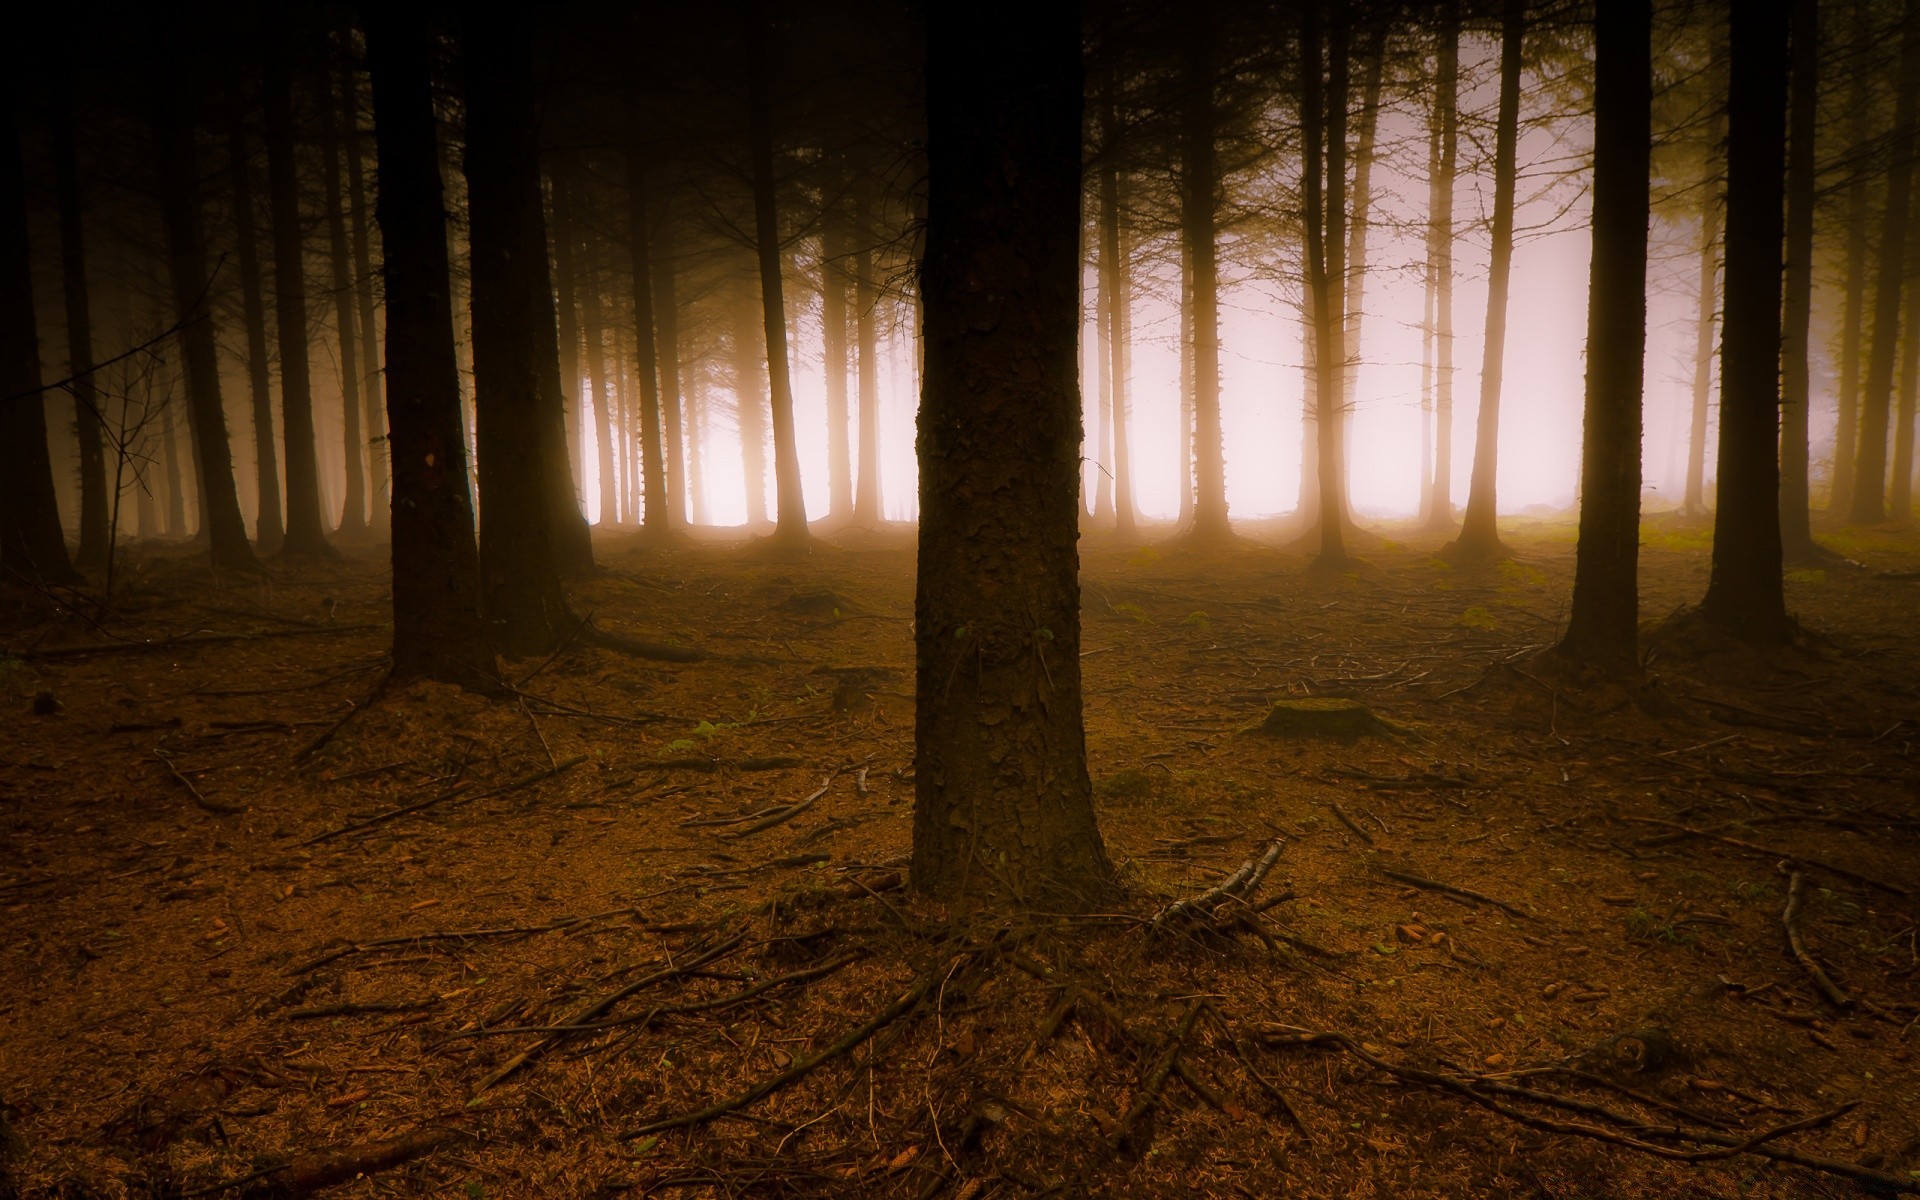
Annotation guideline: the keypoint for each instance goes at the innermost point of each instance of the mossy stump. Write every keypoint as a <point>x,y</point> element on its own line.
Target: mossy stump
<point>1321,717</point>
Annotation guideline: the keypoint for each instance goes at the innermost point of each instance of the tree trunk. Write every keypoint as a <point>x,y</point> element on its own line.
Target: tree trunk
<point>1322,125</point>
<point>750,407</point>
<point>1117,286</point>
<point>1796,523</point>
<point>88,426</point>
<point>1693,503</point>
<point>1869,505</point>
<point>306,530</point>
<point>32,545</point>
<point>179,184</point>
<point>353,517</point>
<point>375,428</point>
<point>1900,483</point>
<point>666,332</point>
<point>516,376</point>
<point>696,450</point>
<point>866,497</point>
<point>176,478</point>
<point>1745,594</point>
<point>656,516</point>
<point>269,528</point>
<point>790,511</point>
<point>587,262</point>
<point>1604,624</point>
<point>438,632</point>
<point>1183,441</point>
<point>566,312</point>
<point>1429,282</point>
<point>1199,221</point>
<point>1357,228</point>
<point>833,338</point>
<point>1861,108</point>
<point>1479,530</point>
<point>1446,86</point>
<point>1003,804</point>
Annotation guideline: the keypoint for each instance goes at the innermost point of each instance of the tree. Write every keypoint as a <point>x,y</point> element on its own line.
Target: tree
<point>1479,527</point>
<point>1870,463</point>
<point>1603,626</point>
<point>833,337</point>
<point>790,503</point>
<point>88,425</point>
<point>1323,129</point>
<point>1116,285</point>
<point>353,516</point>
<point>32,545</point>
<point>1446,86</point>
<point>375,425</point>
<point>1003,803</point>
<point>179,183</point>
<point>306,531</point>
<point>656,516</point>
<point>1796,521</point>
<point>1199,225</point>
<point>1746,593</point>
<point>438,632</point>
<point>866,496</point>
<point>268,528</point>
<point>515,355</point>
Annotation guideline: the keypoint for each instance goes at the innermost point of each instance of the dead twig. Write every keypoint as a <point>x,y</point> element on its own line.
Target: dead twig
<point>1770,852</point>
<point>785,814</point>
<point>457,790</point>
<point>1123,1139</point>
<point>1796,896</point>
<point>1448,889</point>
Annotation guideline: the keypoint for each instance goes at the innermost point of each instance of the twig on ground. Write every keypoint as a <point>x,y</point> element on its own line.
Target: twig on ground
<point>1796,896</point>
<point>1123,1139</point>
<point>1434,885</point>
<point>457,790</point>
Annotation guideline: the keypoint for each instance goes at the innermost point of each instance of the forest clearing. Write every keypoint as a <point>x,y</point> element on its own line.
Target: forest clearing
<point>235,948</point>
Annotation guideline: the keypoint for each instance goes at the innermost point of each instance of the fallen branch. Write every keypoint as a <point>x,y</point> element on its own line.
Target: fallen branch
<point>305,1174</point>
<point>1796,895</point>
<point>1434,885</point>
<point>908,1001</point>
<point>225,810</point>
<point>192,639</point>
<point>1770,852</point>
<point>452,935</point>
<point>1350,823</point>
<point>1238,887</point>
<point>458,789</point>
<point>594,1008</point>
<point>1122,1139</point>
<point>785,814</point>
<point>635,648</point>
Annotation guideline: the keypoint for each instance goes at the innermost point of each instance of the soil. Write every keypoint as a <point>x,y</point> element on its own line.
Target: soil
<point>238,934</point>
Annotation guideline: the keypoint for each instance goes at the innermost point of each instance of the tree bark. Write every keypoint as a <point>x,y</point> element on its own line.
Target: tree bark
<point>1852,328</point>
<point>604,427</point>
<point>1900,483</point>
<point>1322,125</point>
<point>1796,522</point>
<point>1199,223</point>
<point>1479,528</point>
<point>1003,803</point>
<point>1604,623</point>
<point>375,428</point>
<point>32,544</point>
<point>1869,506</point>
<point>1745,594</point>
<point>1446,87</point>
<point>438,631</point>
<point>1358,225</point>
<point>566,311</point>
<point>269,528</point>
<point>1693,502</point>
<point>666,333</point>
<point>179,184</point>
<point>1116,282</point>
<point>833,338</point>
<point>790,509</point>
<point>306,530</point>
<point>88,426</point>
<point>353,513</point>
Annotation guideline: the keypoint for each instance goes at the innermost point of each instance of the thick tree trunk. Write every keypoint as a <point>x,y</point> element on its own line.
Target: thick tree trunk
<point>656,516</point>
<point>1003,804</point>
<point>749,367</point>
<point>1479,528</point>
<point>1117,284</point>
<point>516,376</point>
<point>1183,441</point>
<point>1100,466</point>
<point>1604,623</point>
<point>438,631</point>
<point>175,476</point>
<point>32,545</point>
<point>269,528</point>
<point>833,338</point>
<point>1446,87</point>
<point>1199,222</point>
<point>1796,522</point>
<point>1693,502</point>
<point>866,496</point>
<point>179,183</point>
<point>375,426</point>
<point>1900,482</point>
<point>666,333</point>
<point>353,514</point>
<point>1869,505</point>
<point>306,529</point>
<point>790,507</point>
<point>88,426</point>
<point>1745,594</point>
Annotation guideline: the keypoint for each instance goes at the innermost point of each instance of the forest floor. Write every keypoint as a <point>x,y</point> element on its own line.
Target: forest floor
<point>230,966</point>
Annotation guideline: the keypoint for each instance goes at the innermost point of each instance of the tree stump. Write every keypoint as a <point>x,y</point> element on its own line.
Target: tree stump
<point>1321,717</point>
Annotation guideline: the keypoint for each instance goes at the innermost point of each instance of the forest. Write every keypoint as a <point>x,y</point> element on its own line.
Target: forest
<point>933,601</point>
